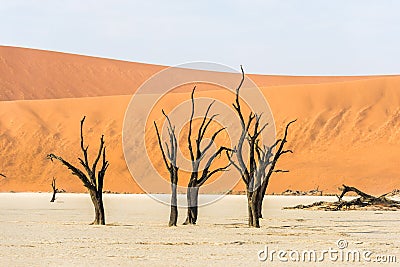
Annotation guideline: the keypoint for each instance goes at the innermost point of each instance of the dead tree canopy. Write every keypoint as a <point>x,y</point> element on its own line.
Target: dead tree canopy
<point>2,175</point>
<point>198,155</point>
<point>91,177</point>
<point>55,190</point>
<point>170,163</point>
<point>259,164</point>
<point>363,202</point>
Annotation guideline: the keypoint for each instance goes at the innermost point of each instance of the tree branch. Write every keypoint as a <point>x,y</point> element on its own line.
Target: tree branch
<point>75,171</point>
<point>190,128</point>
<point>205,175</point>
<point>281,171</point>
<point>245,127</point>
<point>201,131</point>
<point>84,149</point>
<point>286,151</point>
<point>161,147</point>
<point>98,154</point>
<point>202,152</point>
<point>222,169</point>
<point>232,162</point>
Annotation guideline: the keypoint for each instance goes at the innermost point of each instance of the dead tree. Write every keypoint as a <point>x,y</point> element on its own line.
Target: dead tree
<point>2,175</point>
<point>197,155</point>
<point>257,169</point>
<point>55,190</point>
<point>170,163</point>
<point>280,143</point>
<point>91,178</point>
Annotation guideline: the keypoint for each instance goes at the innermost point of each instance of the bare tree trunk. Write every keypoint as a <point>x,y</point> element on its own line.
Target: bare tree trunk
<point>250,209</point>
<point>256,219</point>
<point>192,199</point>
<point>53,198</point>
<point>261,194</point>
<point>173,217</point>
<point>97,200</point>
<point>253,213</point>
<point>260,199</point>
<point>53,186</point>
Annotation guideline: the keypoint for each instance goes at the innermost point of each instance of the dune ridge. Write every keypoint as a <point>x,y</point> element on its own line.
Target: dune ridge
<point>29,74</point>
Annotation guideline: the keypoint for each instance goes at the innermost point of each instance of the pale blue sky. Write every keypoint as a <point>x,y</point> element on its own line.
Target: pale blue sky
<point>303,37</point>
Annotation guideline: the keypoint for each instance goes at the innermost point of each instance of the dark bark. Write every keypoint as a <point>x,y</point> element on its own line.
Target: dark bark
<point>53,198</point>
<point>173,217</point>
<point>255,212</point>
<point>250,209</point>
<point>93,180</point>
<point>253,218</point>
<point>55,190</point>
<point>97,200</point>
<point>192,199</point>
<point>259,203</point>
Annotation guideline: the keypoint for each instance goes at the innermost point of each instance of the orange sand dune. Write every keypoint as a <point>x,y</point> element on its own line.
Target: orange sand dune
<point>36,74</point>
<point>347,129</point>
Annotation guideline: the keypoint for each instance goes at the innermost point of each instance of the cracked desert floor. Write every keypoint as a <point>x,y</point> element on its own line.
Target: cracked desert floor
<point>36,232</point>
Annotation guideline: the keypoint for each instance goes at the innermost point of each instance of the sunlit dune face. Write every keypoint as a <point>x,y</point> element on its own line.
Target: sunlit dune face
<point>346,132</point>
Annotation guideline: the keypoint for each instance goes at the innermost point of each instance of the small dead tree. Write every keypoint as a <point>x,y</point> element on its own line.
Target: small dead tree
<point>197,155</point>
<point>257,169</point>
<point>2,175</point>
<point>93,180</point>
<point>170,163</point>
<point>55,190</point>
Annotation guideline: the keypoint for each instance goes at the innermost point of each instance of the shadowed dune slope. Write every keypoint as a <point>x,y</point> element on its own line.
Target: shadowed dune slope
<point>348,128</point>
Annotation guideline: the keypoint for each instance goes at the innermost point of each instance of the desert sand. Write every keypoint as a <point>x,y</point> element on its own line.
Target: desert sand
<point>347,129</point>
<point>347,132</point>
<point>35,231</point>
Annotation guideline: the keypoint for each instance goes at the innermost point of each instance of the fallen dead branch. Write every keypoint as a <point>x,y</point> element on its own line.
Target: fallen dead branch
<point>362,202</point>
